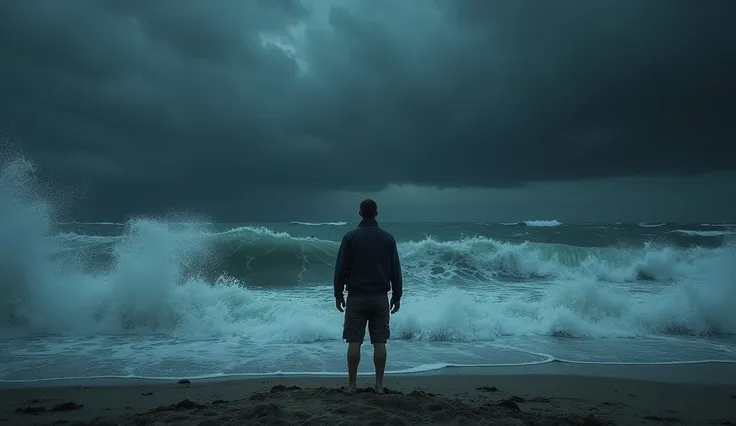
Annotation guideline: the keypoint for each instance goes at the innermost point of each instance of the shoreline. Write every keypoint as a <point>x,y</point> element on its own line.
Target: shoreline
<point>693,394</point>
<point>705,372</point>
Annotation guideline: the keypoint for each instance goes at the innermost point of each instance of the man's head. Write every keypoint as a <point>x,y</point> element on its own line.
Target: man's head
<point>368,209</point>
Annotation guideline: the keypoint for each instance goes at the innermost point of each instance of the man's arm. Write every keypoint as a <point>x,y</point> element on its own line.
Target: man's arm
<point>341,268</point>
<point>397,284</point>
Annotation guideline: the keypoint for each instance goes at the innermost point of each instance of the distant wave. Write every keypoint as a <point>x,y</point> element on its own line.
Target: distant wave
<point>534,223</point>
<point>318,223</point>
<point>725,225</point>
<point>91,223</point>
<point>542,223</point>
<point>651,225</point>
<point>704,233</point>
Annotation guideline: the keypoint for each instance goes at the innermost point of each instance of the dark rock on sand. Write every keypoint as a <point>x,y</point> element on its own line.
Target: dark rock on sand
<point>282,388</point>
<point>185,404</point>
<point>487,388</point>
<point>184,382</point>
<point>67,406</point>
<point>30,410</point>
<point>511,405</point>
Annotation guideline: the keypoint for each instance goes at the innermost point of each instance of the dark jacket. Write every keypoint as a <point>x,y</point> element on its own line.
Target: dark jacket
<point>368,262</point>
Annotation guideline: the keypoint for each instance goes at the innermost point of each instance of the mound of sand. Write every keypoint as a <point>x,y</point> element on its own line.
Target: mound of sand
<point>331,406</point>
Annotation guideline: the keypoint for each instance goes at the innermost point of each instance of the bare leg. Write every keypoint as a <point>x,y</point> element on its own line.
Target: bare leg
<point>353,362</point>
<point>379,360</point>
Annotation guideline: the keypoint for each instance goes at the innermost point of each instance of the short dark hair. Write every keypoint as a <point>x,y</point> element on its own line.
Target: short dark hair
<point>368,209</point>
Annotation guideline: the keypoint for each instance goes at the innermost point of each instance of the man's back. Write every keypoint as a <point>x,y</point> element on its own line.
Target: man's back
<point>368,262</point>
<point>368,267</point>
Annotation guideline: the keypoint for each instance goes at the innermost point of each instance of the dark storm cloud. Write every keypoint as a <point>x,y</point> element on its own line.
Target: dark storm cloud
<point>150,105</point>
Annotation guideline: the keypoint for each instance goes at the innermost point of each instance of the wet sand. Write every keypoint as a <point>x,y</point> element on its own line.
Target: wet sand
<point>703,394</point>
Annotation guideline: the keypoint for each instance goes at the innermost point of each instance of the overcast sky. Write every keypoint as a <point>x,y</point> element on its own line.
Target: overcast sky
<point>594,110</point>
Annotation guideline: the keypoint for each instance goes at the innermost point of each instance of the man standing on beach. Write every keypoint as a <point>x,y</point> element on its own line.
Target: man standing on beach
<point>368,268</point>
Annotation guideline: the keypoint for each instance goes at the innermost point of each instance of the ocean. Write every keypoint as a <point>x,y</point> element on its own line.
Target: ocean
<point>151,298</point>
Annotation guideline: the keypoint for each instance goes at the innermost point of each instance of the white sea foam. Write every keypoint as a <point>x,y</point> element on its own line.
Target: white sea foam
<point>651,225</point>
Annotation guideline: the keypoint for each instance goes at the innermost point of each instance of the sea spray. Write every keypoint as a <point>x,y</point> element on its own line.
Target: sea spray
<point>24,223</point>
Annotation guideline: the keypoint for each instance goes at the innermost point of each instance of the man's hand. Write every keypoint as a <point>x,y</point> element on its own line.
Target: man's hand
<point>340,304</point>
<point>395,305</point>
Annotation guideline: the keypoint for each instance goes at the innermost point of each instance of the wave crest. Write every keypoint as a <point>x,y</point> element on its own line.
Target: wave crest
<point>318,223</point>
<point>261,256</point>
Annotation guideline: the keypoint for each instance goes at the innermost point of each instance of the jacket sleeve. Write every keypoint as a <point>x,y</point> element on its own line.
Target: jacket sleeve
<point>341,267</point>
<point>397,284</point>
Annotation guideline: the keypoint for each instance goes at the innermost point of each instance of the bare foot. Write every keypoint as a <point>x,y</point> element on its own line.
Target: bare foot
<point>350,389</point>
<point>379,388</point>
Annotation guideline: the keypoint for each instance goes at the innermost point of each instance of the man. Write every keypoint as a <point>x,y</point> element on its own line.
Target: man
<point>368,268</point>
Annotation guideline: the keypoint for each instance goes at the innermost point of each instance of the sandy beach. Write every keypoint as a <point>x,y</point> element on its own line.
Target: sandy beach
<point>683,394</point>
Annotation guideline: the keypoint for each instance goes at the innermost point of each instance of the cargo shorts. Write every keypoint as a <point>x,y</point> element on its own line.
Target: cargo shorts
<point>366,309</point>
